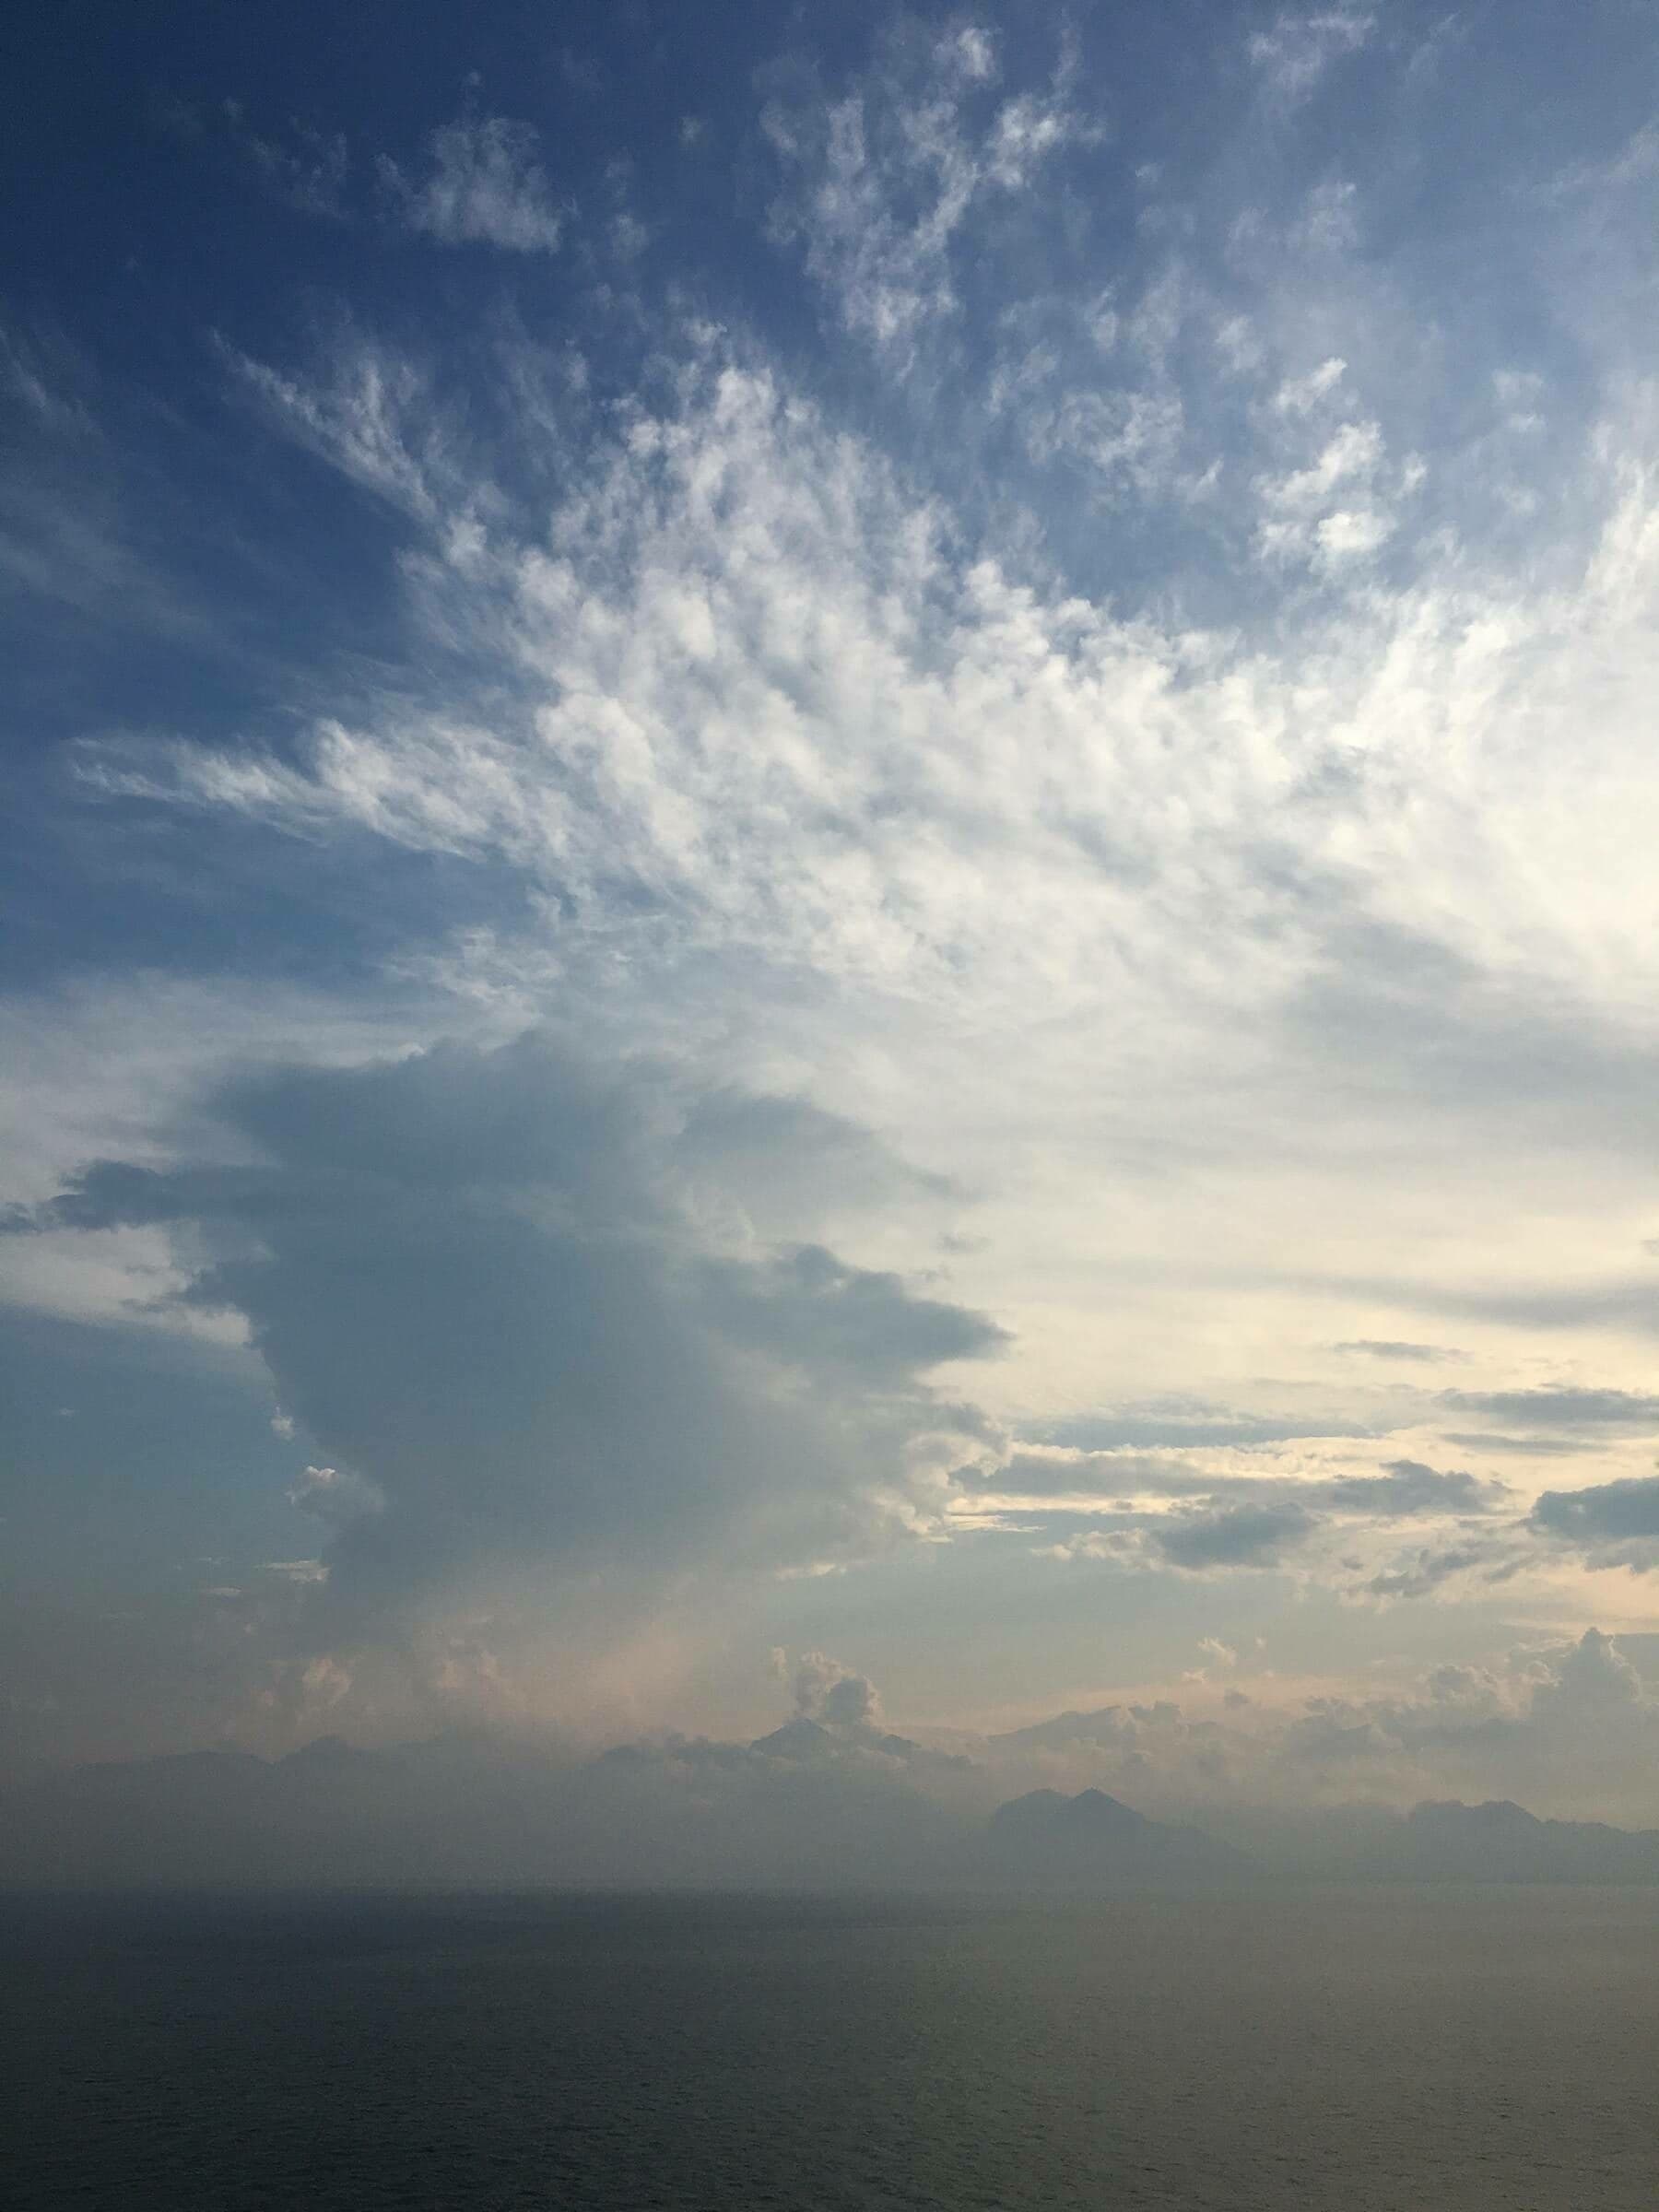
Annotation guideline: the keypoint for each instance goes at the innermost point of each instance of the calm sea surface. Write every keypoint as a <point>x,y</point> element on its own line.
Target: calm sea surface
<point>1408,2051</point>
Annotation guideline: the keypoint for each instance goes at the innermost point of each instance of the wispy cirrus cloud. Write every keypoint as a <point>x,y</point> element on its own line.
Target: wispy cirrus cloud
<point>1296,53</point>
<point>884,184</point>
<point>482,185</point>
<point>308,171</point>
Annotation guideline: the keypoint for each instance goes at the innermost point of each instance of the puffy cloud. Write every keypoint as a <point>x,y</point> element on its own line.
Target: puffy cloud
<point>1613,1523</point>
<point>519,1301</point>
<point>1567,1729</point>
<point>826,1691</point>
<point>1594,1677</point>
<point>1563,1728</point>
<point>1406,1486</point>
<point>1239,1536</point>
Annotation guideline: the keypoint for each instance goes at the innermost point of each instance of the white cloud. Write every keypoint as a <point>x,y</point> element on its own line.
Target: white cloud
<point>48,381</point>
<point>1298,50</point>
<point>1565,1727</point>
<point>826,1691</point>
<point>485,185</point>
<point>1350,532</point>
<point>881,184</point>
<point>362,421</point>
<point>746,670</point>
<point>1637,162</point>
<point>337,1495</point>
<point>755,710</point>
<point>1301,394</point>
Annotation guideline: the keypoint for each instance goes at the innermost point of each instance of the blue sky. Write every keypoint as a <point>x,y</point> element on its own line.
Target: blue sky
<point>826,831</point>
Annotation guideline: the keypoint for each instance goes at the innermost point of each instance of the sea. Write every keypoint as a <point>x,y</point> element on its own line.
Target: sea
<point>1413,2051</point>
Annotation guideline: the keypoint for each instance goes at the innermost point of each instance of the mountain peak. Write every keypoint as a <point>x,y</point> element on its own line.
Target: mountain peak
<point>799,1738</point>
<point>1046,1835</point>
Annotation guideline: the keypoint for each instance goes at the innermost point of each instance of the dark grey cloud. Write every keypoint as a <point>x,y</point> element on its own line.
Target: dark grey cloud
<point>1383,1348</point>
<point>765,1146</point>
<point>1594,1678</point>
<point>1104,1473</point>
<point>809,1308</point>
<point>1618,1302</point>
<point>1240,1535</point>
<point>1204,1523</point>
<point>1169,1423</point>
<point>1614,1304</point>
<point>1403,1489</point>
<point>1608,1515</point>
<point>1270,1522</point>
<point>1560,1407</point>
<point>1525,1447</point>
<point>520,1299</point>
<point>1423,1571</point>
<point>1406,1486</point>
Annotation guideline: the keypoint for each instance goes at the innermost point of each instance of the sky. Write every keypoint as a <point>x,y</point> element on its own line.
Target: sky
<point>828,850</point>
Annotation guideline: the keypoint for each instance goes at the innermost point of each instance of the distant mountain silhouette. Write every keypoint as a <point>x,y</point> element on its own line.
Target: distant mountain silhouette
<point>832,1805</point>
<point>809,1742</point>
<point>1093,1840</point>
<point>1101,1725</point>
<point>1501,1841</point>
<point>800,1739</point>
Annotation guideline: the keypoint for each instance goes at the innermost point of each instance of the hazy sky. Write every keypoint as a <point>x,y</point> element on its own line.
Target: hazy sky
<point>828,831</point>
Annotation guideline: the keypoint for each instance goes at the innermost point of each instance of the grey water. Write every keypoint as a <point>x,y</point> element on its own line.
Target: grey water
<point>1416,2050</point>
